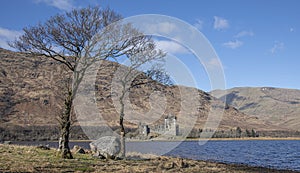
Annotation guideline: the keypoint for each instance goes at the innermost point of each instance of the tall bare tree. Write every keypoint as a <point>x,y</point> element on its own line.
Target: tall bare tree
<point>64,38</point>
<point>79,38</point>
<point>73,38</point>
<point>140,68</point>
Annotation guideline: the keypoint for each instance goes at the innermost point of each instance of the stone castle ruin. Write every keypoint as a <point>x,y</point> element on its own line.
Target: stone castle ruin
<point>170,127</point>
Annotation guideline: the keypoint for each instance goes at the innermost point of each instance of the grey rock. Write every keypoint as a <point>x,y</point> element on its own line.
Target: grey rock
<point>7,142</point>
<point>98,155</point>
<point>108,147</point>
<point>43,147</point>
<point>78,150</point>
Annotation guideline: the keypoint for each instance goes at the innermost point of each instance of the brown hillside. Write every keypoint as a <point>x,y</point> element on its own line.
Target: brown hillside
<point>31,94</point>
<point>278,106</point>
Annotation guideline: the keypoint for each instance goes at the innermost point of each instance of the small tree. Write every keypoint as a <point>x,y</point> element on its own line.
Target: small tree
<point>238,132</point>
<point>248,133</point>
<point>254,133</point>
<point>71,39</point>
<point>136,73</point>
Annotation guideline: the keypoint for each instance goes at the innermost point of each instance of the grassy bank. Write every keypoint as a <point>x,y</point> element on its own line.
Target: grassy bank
<point>15,158</point>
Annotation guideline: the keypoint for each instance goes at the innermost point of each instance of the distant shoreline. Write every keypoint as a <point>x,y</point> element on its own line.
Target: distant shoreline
<point>205,139</point>
<point>217,139</point>
<point>245,139</point>
<point>180,140</point>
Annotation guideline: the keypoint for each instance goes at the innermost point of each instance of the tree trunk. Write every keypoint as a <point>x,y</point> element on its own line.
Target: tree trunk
<point>122,137</point>
<point>63,148</point>
<point>122,129</point>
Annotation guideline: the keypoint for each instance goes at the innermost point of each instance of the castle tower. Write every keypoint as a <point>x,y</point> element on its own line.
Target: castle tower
<point>170,125</point>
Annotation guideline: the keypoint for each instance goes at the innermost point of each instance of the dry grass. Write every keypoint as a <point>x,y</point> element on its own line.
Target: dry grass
<point>31,159</point>
<point>140,155</point>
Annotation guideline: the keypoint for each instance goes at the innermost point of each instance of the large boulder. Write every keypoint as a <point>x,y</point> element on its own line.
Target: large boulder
<point>107,147</point>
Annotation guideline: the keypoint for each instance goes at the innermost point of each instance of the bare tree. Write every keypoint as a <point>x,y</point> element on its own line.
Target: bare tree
<point>81,37</point>
<point>238,132</point>
<point>73,39</point>
<point>142,67</point>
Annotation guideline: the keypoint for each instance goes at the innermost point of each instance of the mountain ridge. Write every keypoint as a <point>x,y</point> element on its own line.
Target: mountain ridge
<point>31,95</point>
<point>279,106</point>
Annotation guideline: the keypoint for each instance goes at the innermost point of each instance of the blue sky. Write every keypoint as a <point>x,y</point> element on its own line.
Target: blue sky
<point>258,42</point>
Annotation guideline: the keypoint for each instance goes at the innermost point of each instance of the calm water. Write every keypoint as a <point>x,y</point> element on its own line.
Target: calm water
<point>274,154</point>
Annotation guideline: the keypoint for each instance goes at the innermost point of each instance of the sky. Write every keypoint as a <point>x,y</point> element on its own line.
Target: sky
<point>257,42</point>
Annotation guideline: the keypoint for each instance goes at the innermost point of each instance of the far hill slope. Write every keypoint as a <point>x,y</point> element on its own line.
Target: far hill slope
<point>277,105</point>
<point>31,87</point>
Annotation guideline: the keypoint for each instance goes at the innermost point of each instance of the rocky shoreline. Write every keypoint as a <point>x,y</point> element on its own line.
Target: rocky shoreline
<point>14,158</point>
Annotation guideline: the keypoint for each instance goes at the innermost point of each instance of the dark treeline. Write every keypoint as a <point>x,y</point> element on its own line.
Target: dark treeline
<point>50,133</point>
<point>36,133</point>
<point>241,133</point>
<point>232,133</point>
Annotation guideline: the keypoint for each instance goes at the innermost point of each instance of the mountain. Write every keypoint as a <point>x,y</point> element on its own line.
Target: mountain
<point>31,96</point>
<point>277,106</point>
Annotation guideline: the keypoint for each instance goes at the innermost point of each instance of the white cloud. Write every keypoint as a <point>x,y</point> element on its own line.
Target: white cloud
<point>292,29</point>
<point>160,28</point>
<point>60,4</point>
<point>278,46</point>
<point>214,62</point>
<point>244,33</point>
<point>166,27</point>
<point>171,47</point>
<point>220,23</point>
<point>199,24</point>
<point>7,35</point>
<point>233,44</point>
